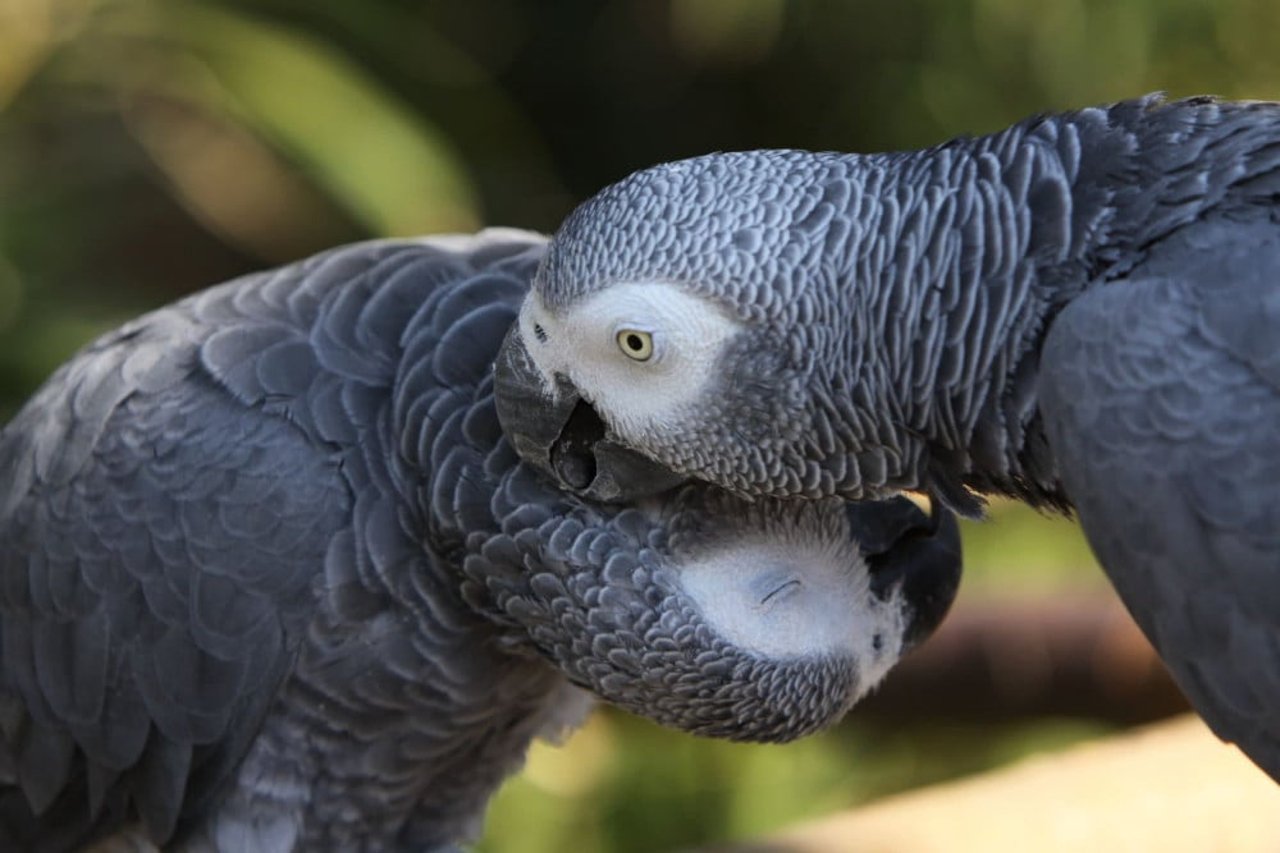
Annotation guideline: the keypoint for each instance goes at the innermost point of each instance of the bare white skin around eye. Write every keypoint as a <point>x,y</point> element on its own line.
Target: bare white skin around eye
<point>633,396</point>
<point>790,601</point>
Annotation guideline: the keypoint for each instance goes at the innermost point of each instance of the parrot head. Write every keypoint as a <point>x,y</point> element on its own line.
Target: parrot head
<point>749,620</point>
<point>692,322</point>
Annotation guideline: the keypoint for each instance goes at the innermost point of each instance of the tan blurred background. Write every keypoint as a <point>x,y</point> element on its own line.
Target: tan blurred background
<point>152,147</point>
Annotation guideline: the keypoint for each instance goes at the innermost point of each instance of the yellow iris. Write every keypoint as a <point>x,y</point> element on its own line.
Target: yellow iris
<point>635,344</point>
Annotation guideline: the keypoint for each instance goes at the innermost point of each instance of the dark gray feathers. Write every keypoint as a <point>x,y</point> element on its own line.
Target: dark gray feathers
<point>154,559</point>
<point>215,513</point>
<point>1161,394</point>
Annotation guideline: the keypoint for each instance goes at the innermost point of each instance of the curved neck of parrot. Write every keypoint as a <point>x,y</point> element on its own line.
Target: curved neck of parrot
<point>980,242</point>
<point>992,236</point>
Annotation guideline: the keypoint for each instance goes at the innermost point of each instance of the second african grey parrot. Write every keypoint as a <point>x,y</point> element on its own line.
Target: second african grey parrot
<point>1081,311</point>
<point>271,578</point>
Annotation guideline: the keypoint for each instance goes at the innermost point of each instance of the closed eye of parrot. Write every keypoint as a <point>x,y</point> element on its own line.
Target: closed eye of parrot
<point>1081,311</point>
<point>272,579</point>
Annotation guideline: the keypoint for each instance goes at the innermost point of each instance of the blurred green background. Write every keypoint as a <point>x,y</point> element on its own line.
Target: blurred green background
<point>148,149</point>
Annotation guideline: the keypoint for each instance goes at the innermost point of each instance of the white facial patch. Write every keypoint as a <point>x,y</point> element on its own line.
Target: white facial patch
<point>789,602</point>
<point>634,397</point>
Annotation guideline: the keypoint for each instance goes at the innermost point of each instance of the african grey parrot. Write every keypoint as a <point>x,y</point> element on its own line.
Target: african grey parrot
<point>1081,311</point>
<point>272,579</point>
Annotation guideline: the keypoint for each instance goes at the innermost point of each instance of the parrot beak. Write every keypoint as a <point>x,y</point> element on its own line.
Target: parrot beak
<point>913,552</point>
<point>551,427</point>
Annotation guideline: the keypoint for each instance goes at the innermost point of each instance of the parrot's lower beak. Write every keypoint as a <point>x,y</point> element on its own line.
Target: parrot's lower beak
<point>554,429</point>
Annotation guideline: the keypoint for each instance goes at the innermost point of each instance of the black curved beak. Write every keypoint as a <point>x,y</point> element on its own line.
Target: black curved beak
<point>552,428</point>
<point>914,551</point>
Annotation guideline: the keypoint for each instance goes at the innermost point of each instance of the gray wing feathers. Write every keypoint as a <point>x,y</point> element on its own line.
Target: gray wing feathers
<point>167,499</point>
<point>1161,399</point>
<point>172,494</point>
<point>146,597</point>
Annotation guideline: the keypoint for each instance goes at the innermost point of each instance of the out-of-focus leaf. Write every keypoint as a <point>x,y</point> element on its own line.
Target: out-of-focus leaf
<point>729,32</point>
<point>10,294</point>
<point>234,184</point>
<point>29,32</point>
<point>389,167</point>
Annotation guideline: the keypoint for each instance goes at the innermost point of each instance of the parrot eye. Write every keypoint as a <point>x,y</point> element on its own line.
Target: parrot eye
<point>635,344</point>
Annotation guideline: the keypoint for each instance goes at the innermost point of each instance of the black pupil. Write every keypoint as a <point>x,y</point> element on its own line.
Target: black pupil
<point>635,343</point>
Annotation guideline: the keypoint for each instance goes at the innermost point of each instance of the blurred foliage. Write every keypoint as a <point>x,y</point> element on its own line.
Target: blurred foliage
<point>622,784</point>
<point>151,147</point>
